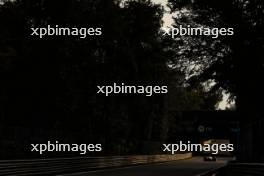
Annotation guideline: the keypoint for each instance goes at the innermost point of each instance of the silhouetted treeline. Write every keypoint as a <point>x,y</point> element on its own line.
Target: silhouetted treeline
<point>48,86</point>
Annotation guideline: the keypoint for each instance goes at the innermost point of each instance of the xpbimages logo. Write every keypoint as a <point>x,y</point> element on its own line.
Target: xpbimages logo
<point>188,147</point>
<point>49,30</point>
<point>128,89</point>
<point>58,147</point>
<point>198,31</point>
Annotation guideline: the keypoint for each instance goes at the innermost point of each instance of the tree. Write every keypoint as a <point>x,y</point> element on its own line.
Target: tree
<point>236,64</point>
<point>232,71</point>
<point>54,80</point>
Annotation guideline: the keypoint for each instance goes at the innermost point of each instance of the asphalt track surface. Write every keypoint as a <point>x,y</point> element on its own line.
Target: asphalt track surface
<point>191,167</point>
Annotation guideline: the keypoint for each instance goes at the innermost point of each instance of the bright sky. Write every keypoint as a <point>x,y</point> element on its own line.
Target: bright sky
<point>163,2</point>
<point>167,17</point>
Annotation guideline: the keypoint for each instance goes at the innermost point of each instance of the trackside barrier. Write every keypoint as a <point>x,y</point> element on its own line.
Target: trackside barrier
<point>71,165</point>
<point>239,169</point>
